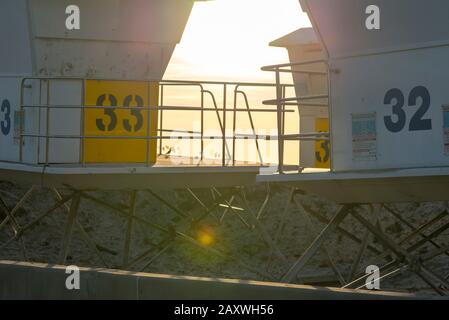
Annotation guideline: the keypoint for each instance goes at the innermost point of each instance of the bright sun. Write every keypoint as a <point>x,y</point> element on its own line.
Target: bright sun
<point>228,39</point>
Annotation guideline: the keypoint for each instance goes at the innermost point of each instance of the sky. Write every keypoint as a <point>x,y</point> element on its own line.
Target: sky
<point>228,39</point>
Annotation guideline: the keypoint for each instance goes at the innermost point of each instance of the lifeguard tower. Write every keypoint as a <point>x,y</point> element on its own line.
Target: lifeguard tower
<point>388,136</point>
<point>80,102</point>
<point>86,110</point>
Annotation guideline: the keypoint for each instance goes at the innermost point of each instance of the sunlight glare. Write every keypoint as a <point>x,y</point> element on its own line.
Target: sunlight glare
<point>228,39</point>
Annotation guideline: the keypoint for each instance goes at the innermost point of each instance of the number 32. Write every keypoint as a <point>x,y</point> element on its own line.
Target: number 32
<point>417,123</point>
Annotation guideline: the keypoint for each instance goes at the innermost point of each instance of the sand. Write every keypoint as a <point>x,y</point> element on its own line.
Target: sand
<point>242,251</point>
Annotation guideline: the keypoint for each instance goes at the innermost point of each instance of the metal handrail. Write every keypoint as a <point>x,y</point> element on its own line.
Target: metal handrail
<point>220,122</point>
<point>45,104</point>
<point>281,102</point>
<point>201,84</point>
<point>229,83</point>
<point>237,136</point>
<point>293,64</point>
<point>294,99</point>
<point>251,121</point>
<point>169,108</point>
<point>161,119</point>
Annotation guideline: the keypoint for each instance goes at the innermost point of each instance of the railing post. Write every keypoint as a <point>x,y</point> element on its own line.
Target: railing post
<point>22,116</point>
<point>83,124</point>
<point>147,106</point>
<point>234,126</point>
<point>279,121</point>
<point>161,118</point>
<point>329,110</point>
<point>224,126</point>
<point>47,125</point>
<point>202,124</point>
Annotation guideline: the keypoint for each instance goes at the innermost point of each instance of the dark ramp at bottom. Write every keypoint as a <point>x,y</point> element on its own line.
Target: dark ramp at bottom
<point>20,280</point>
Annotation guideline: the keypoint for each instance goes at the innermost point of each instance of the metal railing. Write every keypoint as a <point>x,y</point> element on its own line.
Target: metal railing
<point>45,135</point>
<point>281,102</point>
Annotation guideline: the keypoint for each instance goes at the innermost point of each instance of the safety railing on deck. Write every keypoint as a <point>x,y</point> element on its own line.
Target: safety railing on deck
<point>282,101</point>
<point>228,153</point>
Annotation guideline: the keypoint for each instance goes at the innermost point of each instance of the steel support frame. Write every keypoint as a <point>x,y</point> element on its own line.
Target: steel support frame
<point>71,205</point>
<point>400,256</point>
<point>405,258</point>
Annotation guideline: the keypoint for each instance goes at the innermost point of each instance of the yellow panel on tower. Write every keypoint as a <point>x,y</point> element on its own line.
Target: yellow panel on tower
<point>322,147</point>
<point>122,130</point>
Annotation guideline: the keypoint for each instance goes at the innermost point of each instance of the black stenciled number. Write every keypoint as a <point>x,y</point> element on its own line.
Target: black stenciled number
<point>417,123</point>
<point>5,124</point>
<point>135,112</point>
<point>110,112</point>
<point>325,145</point>
<point>397,96</point>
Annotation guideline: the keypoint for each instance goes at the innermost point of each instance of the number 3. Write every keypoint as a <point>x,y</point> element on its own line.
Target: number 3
<point>136,113</point>
<point>6,123</point>
<point>325,145</point>
<point>110,112</point>
<point>395,94</point>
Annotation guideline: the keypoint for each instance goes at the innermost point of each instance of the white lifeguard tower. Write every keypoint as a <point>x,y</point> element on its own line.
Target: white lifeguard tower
<point>83,110</point>
<point>388,123</point>
<point>80,102</point>
<point>387,102</point>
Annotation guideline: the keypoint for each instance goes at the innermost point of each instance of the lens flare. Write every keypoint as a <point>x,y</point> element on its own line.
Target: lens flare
<point>205,236</point>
